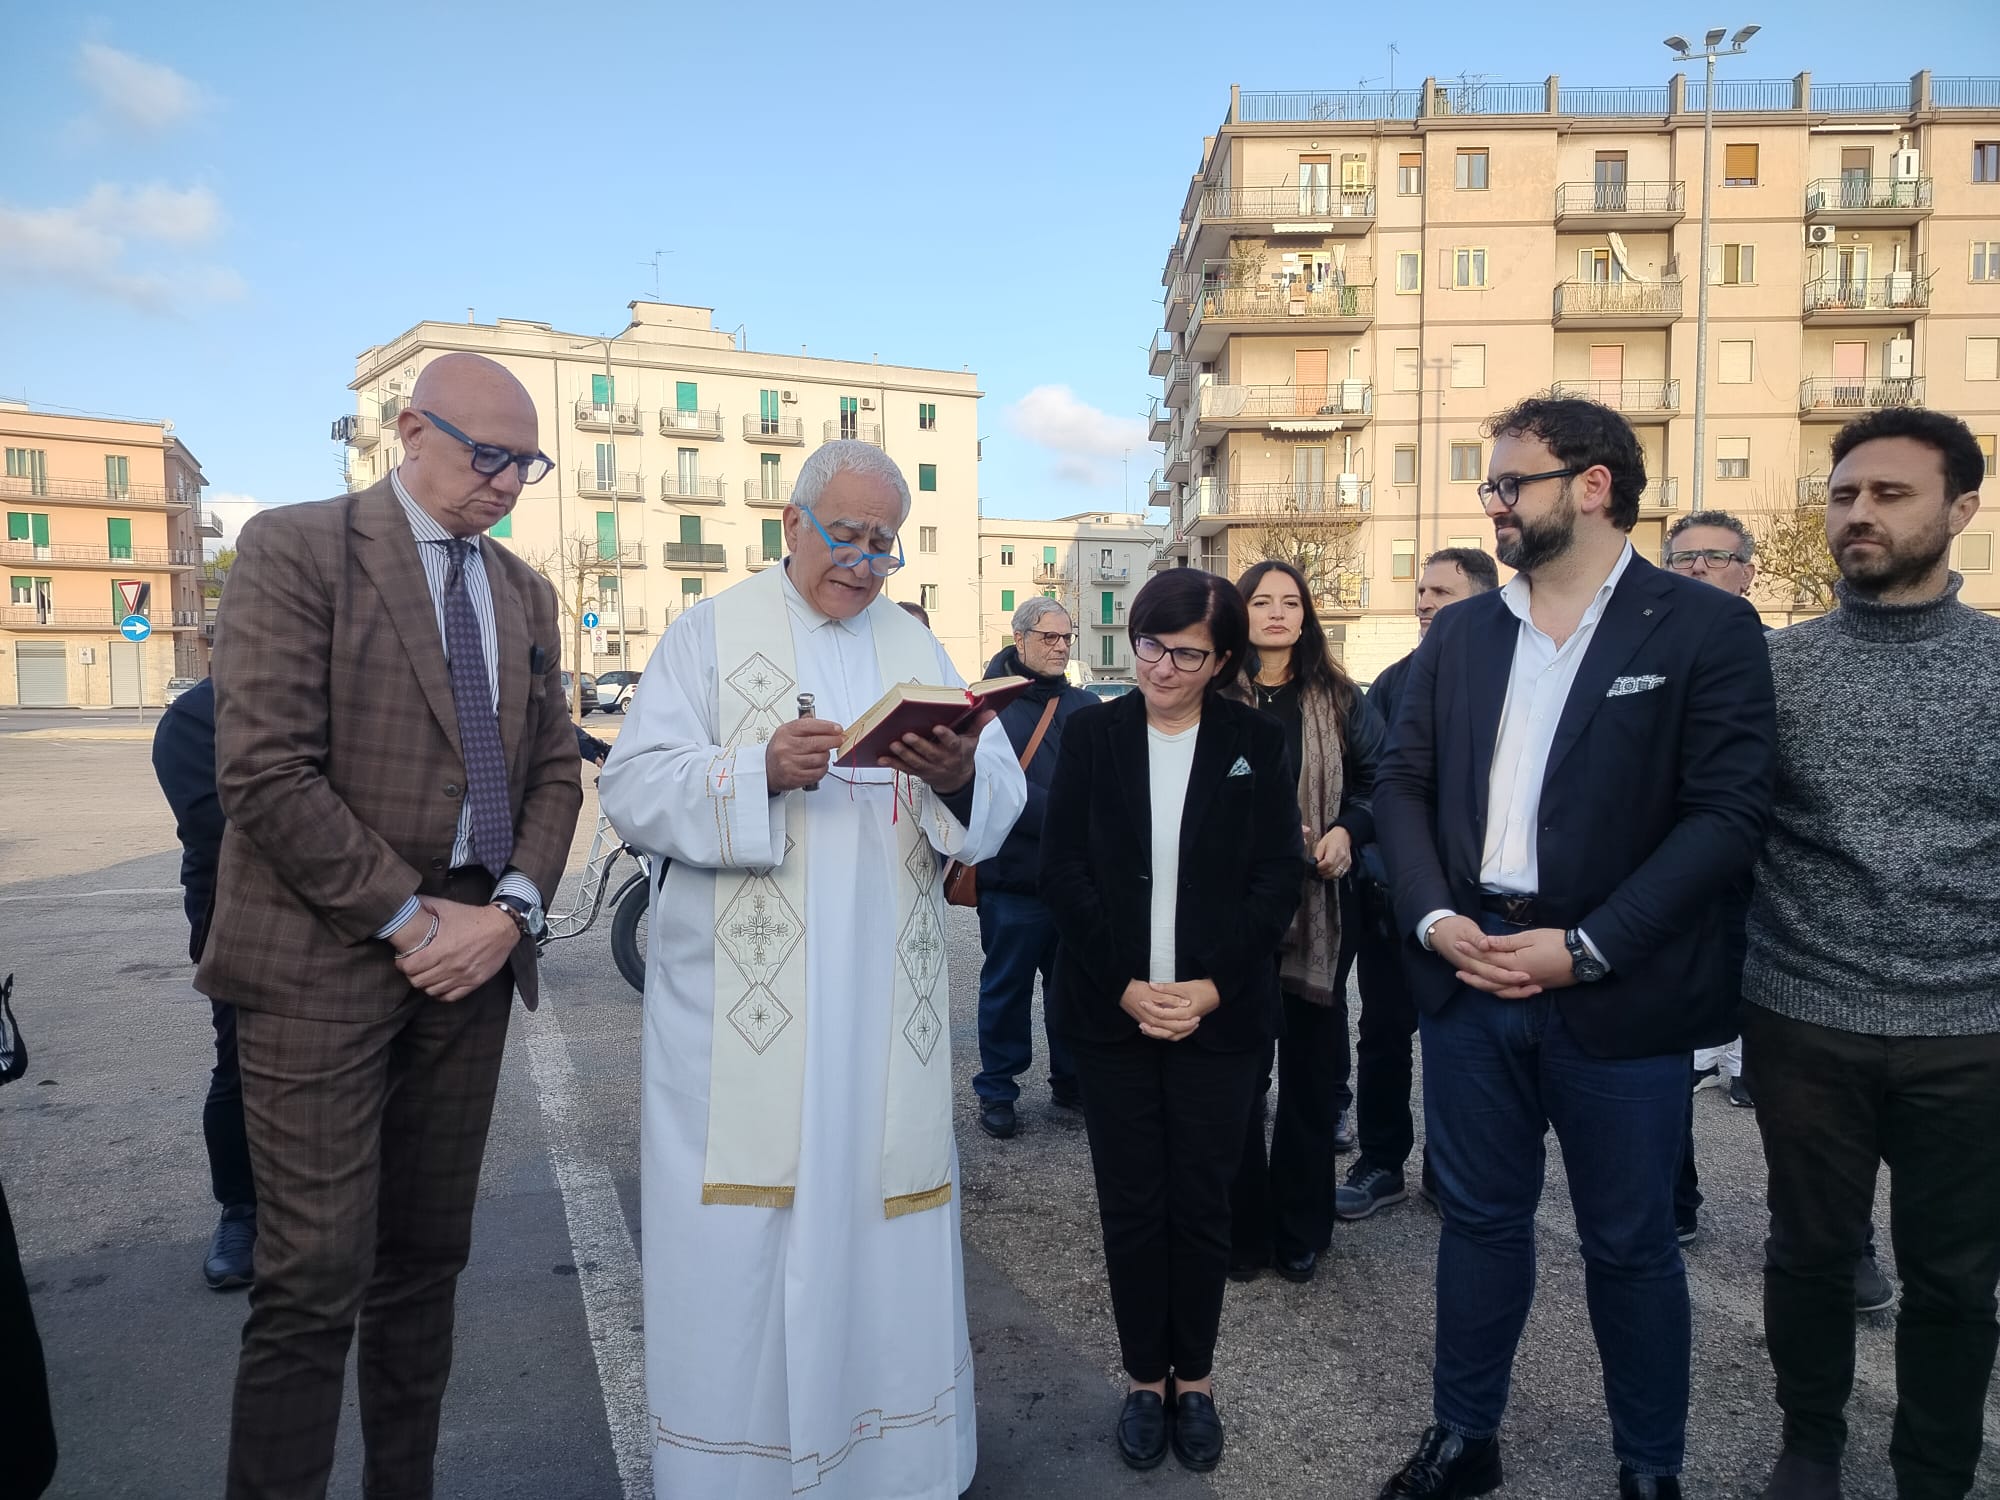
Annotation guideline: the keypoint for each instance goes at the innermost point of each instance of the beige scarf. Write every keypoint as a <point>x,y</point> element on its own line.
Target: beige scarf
<point>1311,950</point>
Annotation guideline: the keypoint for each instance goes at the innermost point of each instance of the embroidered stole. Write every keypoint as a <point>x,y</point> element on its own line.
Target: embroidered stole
<point>757,1060</point>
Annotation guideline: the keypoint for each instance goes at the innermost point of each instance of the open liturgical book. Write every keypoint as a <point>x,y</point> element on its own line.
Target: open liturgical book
<point>917,708</point>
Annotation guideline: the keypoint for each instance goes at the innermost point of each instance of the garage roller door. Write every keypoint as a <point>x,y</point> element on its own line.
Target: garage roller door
<point>41,674</point>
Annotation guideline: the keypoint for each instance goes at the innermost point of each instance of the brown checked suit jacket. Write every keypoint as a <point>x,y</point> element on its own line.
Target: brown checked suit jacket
<point>337,754</point>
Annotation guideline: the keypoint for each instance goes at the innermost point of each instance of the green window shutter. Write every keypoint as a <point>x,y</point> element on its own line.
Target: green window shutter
<point>1048,593</point>
<point>600,390</point>
<point>38,527</point>
<point>17,525</point>
<point>774,540</point>
<point>926,476</point>
<point>503,527</point>
<point>1048,557</point>
<point>767,408</point>
<point>118,536</point>
<point>1105,601</point>
<point>1007,600</point>
<point>686,397</point>
<point>690,589</point>
<point>118,609</point>
<point>691,531</point>
<point>607,533</point>
<point>849,405</point>
<point>607,587</point>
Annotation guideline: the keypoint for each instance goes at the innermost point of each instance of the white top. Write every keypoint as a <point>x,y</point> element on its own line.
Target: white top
<point>1169,758</point>
<point>1537,690</point>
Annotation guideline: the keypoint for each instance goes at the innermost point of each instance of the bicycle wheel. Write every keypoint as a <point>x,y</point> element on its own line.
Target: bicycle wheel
<point>628,930</point>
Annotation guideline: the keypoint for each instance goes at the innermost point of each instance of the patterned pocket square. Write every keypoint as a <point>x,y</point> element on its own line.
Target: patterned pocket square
<point>1625,686</point>
<point>1241,768</point>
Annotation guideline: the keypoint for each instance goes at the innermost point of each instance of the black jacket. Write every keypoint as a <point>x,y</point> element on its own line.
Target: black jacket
<point>1654,802</point>
<point>1017,867</point>
<point>184,762</point>
<point>1240,861</point>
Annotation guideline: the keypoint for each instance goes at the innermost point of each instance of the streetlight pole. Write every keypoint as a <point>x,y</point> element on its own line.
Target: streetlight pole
<point>1711,49</point>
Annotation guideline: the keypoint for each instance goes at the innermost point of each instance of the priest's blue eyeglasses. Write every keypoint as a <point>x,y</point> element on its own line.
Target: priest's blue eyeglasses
<point>848,555</point>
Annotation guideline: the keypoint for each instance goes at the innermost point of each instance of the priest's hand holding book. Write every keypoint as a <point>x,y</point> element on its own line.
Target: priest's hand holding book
<point>931,733</point>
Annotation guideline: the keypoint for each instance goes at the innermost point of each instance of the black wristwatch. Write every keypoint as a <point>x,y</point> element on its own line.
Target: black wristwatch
<point>1585,965</point>
<point>526,917</point>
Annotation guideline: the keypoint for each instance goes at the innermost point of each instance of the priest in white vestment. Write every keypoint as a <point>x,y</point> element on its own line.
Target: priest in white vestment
<point>805,1299</point>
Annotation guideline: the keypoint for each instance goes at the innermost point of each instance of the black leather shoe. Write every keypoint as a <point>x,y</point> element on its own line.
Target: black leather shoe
<point>1069,1098</point>
<point>1447,1467</point>
<point>1343,1132</point>
<point>1142,1430</point>
<point>1197,1432</point>
<point>998,1121</point>
<point>1245,1270</point>
<point>1647,1486</point>
<point>1797,1477</point>
<point>231,1248</point>
<point>1298,1268</point>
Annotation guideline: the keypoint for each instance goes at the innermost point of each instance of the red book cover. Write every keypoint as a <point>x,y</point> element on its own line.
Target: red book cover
<point>917,708</point>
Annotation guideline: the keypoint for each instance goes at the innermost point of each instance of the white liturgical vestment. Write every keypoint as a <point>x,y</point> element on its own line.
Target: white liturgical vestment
<point>818,1348</point>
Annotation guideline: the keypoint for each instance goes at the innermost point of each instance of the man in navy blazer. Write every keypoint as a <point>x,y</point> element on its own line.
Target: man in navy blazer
<point>1583,762</point>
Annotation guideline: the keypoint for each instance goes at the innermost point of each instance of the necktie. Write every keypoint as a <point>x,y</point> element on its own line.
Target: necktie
<point>478,725</point>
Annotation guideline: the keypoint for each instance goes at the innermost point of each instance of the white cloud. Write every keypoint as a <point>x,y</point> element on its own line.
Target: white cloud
<point>129,91</point>
<point>84,245</point>
<point>1085,441</point>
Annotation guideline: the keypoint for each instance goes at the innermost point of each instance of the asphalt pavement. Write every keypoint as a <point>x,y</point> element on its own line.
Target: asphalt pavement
<point>1323,1387</point>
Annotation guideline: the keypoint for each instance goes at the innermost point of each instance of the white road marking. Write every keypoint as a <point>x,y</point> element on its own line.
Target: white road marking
<point>607,1265</point>
<point>131,890</point>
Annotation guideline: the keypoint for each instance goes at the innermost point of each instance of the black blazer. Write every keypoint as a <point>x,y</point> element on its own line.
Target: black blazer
<point>1241,856</point>
<point>1654,802</point>
<point>184,762</point>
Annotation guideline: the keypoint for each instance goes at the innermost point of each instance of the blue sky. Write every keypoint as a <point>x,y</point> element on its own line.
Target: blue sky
<point>205,213</point>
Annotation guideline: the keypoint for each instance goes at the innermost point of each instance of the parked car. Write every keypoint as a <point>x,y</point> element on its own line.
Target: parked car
<point>178,685</point>
<point>614,690</point>
<point>589,693</point>
<point>1108,690</point>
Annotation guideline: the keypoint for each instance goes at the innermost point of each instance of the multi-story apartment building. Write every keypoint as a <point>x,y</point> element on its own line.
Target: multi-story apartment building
<point>1360,278</point>
<point>103,515</point>
<point>1091,563</point>
<point>675,452</point>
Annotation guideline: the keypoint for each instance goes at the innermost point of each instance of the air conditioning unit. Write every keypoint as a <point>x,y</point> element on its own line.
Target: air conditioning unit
<point>866,404</point>
<point>792,397</point>
<point>1902,284</point>
<point>1353,395</point>
<point>1899,359</point>
<point>395,387</point>
<point>1347,490</point>
<point>1907,162</point>
<point>1819,234</point>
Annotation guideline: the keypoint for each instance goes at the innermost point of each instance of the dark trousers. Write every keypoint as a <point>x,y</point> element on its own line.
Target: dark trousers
<point>27,1435</point>
<point>222,1117</point>
<point>1831,1105</point>
<point>1019,940</point>
<point>1283,1204</point>
<point>1497,1075</point>
<point>1165,1121</point>
<point>1687,1181</point>
<point>1384,1051</point>
<point>366,1140</point>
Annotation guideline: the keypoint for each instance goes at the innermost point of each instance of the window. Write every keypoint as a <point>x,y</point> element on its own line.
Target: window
<point>850,416</point>
<point>1472,170</point>
<point>1407,371</point>
<point>767,412</point>
<point>1732,265</point>
<point>687,468</point>
<point>605,465</point>
<point>1108,653</point>
<point>1468,365</point>
<point>1985,441</point>
<point>1732,458</point>
<point>769,485</point>
<point>1404,465</point>
<point>1353,174</point>
<point>1982,359</point>
<point>607,589</point>
<point>1107,608</point>
<point>118,536</point>
<point>1007,600</point>
<point>927,597</point>
<point>1986,161</point>
<point>1409,271</point>
<point>1472,543</point>
<point>607,535</point>
<point>1403,558</point>
<point>1048,593</point>
<point>927,416</point>
<point>690,531</point>
<point>1468,268</point>
<point>1733,365</point>
<point>1467,463</point>
<point>771,539</point>
<point>117,475</point>
<point>1986,260</point>
<point>690,591</point>
<point>600,391</point>
<point>1975,552</point>
<point>30,464</point>
<point>927,538</point>
<point>1739,166</point>
<point>28,526</point>
<point>926,477</point>
<point>1049,558</point>
<point>502,527</point>
<point>686,396</point>
<point>20,590</point>
<point>1410,174</point>
<point>1315,186</point>
<point>1007,556</point>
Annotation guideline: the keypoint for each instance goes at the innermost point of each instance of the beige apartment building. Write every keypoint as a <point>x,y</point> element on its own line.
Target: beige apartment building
<point>1360,278</point>
<point>1091,563</point>
<point>104,519</point>
<point>675,452</point>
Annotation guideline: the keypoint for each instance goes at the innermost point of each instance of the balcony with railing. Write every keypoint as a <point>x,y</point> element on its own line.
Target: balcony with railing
<point>1297,306</point>
<point>756,559</point>
<point>1888,202</point>
<point>706,557</point>
<point>692,489</point>
<point>65,554</point>
<point>1178,466</point>
<point>1892,299</point>
<point>1161,354</point>
<point>1660,497</point>
<point>1213,504</point>
<point>1838,397</point>
<point>1618,304</point>
<point>1159,423</point>
<point>1347,595</point>
<point>30,617</point>
<point>617,416</point>
<point>1640,400</point>
<point>1339,405</point>
<point>854,432</point>
<point>1628,207</point>
<point>695,423</point>
<point>357,431</point>
<point>94,492</point>
<point>1158,491</point>
<point>1048,575</point>
<point>1180,301</point>
<point>630,617</point>
<point>767,494</point>
<point>603,485</point>
<point>1112,619</point>
<point>621,555</point>
<point>1812,488</point>
<point>1315,208</point>
<point>1175,391</point>
<point>391,407</point>
<point>790,430</point>
<point>1110,578</point>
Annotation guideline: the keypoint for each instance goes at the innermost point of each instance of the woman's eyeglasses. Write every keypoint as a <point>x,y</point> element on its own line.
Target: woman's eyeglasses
<point>1186,658</point>
<point>489,459</point>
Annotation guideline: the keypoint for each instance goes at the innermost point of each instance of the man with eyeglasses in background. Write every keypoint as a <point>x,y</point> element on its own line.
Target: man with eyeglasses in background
<point>399,775</point>
<point>1582,758</point>
<point>798,1169</point>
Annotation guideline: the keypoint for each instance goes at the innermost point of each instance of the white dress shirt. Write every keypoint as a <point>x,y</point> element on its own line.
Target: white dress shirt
<point>1537,690</point>
<point>1169,760</point>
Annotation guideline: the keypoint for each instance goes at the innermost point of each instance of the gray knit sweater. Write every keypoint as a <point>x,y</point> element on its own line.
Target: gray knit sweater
<point>1878,896</point>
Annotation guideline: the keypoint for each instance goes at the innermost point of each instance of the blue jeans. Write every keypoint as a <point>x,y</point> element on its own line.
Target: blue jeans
<point>1019,938</point>
<point>1497,1075</point>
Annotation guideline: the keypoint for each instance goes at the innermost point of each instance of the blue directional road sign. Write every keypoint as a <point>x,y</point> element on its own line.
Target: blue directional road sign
<point>135,627</point>
<point>590,619</point>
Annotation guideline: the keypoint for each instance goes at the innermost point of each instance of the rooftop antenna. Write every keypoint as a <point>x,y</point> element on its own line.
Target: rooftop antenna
<point>655,264</point>
<point>1392,67</point>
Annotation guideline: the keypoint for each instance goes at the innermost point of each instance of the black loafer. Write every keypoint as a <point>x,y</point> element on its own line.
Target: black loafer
<point>1446,1467</point>
<point>1197,1432</point>
<point>1298,1268</point>
<point>1070,1098</point>
<point>1647,1486</point>
<point>1142,1430</point>
<point>1343,1133</point>
<point>998,1121</point>
<point>232,1249</point>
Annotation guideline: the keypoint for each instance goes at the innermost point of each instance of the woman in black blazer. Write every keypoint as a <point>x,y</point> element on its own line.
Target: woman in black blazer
<point>1171,861</point>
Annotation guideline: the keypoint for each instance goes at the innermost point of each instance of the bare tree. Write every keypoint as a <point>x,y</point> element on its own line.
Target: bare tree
<point>572,568</point>
<point>1326,549</point>
<point>1792,555</point>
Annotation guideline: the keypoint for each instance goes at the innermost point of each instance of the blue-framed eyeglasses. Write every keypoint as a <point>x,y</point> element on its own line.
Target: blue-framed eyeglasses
<point>489,459</point>
<point>847,555</point>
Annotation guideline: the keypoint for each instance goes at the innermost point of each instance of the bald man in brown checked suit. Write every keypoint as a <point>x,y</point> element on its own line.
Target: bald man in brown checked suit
<point>400,777</point>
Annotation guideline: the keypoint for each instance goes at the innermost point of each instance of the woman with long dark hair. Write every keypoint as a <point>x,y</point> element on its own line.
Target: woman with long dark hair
<point>1283,1205</point>
<point>1170,862</point>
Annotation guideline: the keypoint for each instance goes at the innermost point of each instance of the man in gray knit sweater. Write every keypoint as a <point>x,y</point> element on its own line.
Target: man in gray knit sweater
<point>1873,1029</point>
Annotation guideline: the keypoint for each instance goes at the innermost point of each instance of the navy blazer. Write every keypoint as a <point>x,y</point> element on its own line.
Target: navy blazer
<point>1241,857</point>
<point>184,762</point>
<point>1654,802</point>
